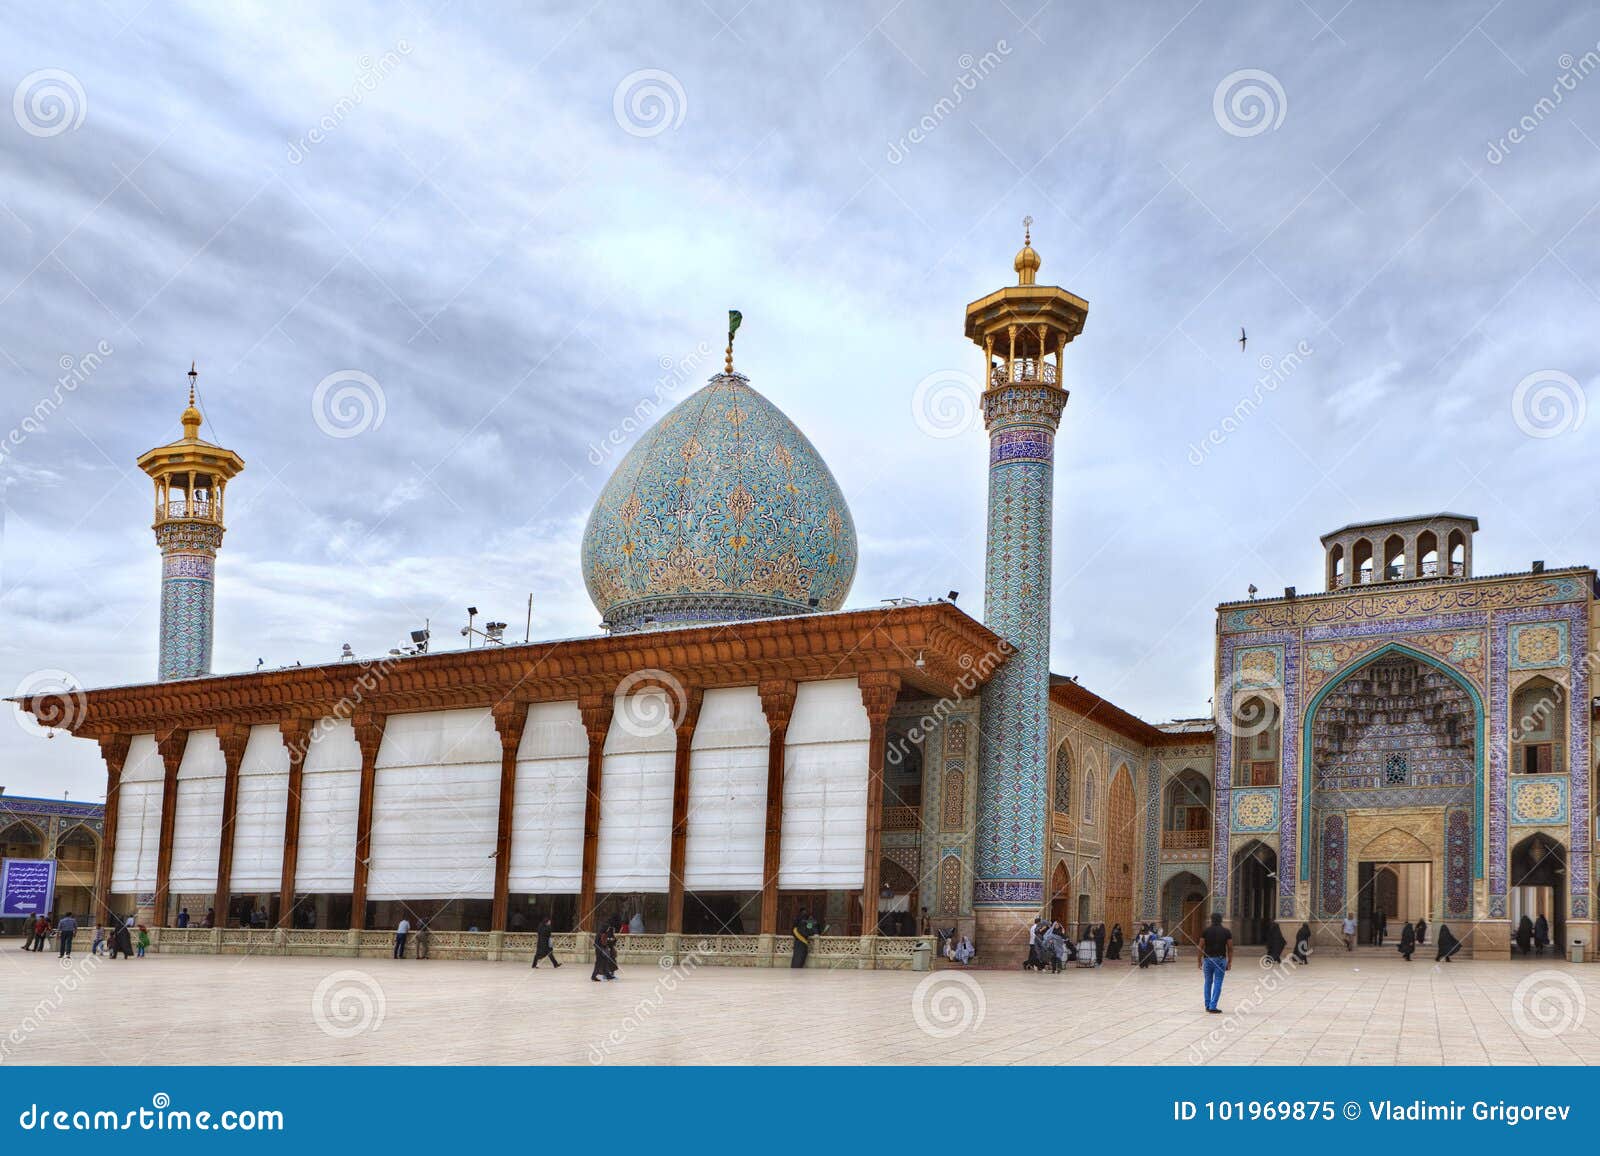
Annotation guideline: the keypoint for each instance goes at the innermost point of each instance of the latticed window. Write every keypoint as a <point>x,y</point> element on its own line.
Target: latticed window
<point>1396,770</point>
<point>1063,792</point>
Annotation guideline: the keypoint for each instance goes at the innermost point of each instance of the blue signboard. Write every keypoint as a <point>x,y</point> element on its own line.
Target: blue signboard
<point>27,887</point>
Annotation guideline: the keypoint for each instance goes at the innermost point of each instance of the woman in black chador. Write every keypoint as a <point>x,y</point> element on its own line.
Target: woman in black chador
<point>1408,941</point>
<point>1275,943</point>
<point>1541,935</point>
<point>1422,932</point>
<point>1448,944</point>
<point>1114,945</point>
<point>802,939</point>
<point>1525,936</point>
<point>1302,943</point>
<point>605,950</point>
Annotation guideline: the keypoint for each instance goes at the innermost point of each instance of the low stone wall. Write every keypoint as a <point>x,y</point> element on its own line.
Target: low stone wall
<point>866,952</point>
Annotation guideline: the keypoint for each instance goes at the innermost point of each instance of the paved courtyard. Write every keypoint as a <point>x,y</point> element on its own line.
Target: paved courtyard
<point>243,1010</point>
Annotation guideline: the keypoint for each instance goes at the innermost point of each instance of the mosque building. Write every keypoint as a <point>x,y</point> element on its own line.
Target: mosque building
<point>737,746</point>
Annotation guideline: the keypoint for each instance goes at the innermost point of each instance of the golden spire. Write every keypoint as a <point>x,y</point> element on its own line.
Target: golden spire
<point>191,418</point>
<point>1027,262</point>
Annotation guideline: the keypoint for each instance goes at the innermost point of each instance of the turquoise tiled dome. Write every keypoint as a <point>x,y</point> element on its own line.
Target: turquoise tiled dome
<point>722,511</point>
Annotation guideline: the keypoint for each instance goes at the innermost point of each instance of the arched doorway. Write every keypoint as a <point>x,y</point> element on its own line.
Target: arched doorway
<point>1386,892</point>
<point>1255,889</point>
<point>1061,894</point>
<point>1121,844</point>
<point>1183,907</point>
<point>1538,885</point>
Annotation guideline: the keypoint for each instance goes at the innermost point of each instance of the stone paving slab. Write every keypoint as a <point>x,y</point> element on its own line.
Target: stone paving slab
<point>265,1010</point>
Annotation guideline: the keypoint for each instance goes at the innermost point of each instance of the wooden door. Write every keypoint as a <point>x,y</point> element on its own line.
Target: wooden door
<point>1121,843</point>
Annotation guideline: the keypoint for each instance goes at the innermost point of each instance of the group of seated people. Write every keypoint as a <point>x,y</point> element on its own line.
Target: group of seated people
<point>1153,945</point>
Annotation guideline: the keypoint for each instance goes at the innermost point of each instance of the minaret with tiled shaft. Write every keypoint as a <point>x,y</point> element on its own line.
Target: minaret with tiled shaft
<point>1023,331</point>
<point>191,475</point>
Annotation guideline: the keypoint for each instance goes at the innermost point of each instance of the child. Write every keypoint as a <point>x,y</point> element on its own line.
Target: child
<point>144,940</point>
<point>99,945</point>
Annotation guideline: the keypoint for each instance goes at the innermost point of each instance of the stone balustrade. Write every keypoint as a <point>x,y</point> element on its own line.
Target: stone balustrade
<point>863,952</point>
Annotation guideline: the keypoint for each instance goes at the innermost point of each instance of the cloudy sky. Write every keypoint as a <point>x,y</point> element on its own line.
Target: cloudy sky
<point>487,233</point>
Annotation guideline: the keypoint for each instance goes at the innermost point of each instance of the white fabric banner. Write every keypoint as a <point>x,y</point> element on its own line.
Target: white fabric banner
<point>330,792</point>
<point>547,812</point>
<point>263,804</point>
<point>825,789</point>
<point>133,859</point>
<point>197,823</point>
<point>434,807</point>
<point>727,793</point>
<point>635,848</point>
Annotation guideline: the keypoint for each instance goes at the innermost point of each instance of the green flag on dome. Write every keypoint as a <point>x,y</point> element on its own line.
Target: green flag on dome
<point>734,317</point>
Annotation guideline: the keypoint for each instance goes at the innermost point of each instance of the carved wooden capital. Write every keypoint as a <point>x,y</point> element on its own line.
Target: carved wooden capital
<point>879,690</point>
<point>233,738</point>
<point>114,749</point>
<point>170,743</point>
<point>777,700</point>
<point>510,719</point>
<point>296,734</point>
<point>368,726</point>
<point>596,710</point>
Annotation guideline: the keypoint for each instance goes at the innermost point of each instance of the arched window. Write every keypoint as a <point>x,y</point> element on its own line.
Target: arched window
<point>1538,730</point>
<point>1457,544</point>
<point>1394,558</point>
<point>1361,560</point>
<point>1428,554</point>
<point>1258,736</point>
<point>1063,784</point>
<point>1336,575</point>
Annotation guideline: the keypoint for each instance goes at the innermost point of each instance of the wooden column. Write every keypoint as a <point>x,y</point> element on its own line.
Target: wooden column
<point>878,692</point>
<point>596,710</point>
<point>296,734</point>
<point>369,734</point>
<point>510,718</point>
<point>114,749</point>
<point>170,743</point>
<point>232,737</point>
<point>777,700</point>
<point>680,807</point>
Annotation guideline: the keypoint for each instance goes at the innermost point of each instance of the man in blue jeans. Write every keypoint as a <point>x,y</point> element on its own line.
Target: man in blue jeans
<point>1216,957</point>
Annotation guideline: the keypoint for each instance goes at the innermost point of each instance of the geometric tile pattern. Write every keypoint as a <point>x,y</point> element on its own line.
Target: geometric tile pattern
<point>1458,856</point>
<point>1014,770</point>
<point>1254,811</point>
<point>187,602</point>
<point>1539,800</point>
<point>1537,645</point>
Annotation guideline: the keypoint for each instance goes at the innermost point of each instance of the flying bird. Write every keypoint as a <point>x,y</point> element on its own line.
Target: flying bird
<point>1242,339</point>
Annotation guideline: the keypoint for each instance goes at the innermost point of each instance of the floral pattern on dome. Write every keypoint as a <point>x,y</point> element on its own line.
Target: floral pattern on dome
<point>722,511</point>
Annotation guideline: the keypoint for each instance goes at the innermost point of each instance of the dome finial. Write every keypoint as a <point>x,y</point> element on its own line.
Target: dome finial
<point>734,320</point>
<point>1027,262</point>
<point>191,418</point>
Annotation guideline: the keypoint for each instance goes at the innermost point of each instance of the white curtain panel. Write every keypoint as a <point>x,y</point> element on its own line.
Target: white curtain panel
<point>133,859</point>
<point>197,825</point>
<point>263,803</point>
<point>636,801</point>
<point>825,789</point>
<point>330,793</point>
<point>547,810</point>
<point>727,793</point>
<point>434,807</point>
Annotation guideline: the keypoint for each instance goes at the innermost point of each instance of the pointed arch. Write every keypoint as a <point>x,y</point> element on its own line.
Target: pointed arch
<point>1361,662</point>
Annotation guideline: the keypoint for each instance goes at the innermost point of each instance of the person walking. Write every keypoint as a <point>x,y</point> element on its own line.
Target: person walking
<point>1216,957</point>
<point>65,930</point>
<point>122,940</point>
<point>400,934</point>
<point>1380,924</point>
<point>542,946</point>
<point>41,932</point>
<point>1302,944</point>
<point>424,939</point>
<point>1348,929</point>
<point>1422,932</point>
<point>144,939</point>
<point>1408,941</point>
<point>1541,935</point>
